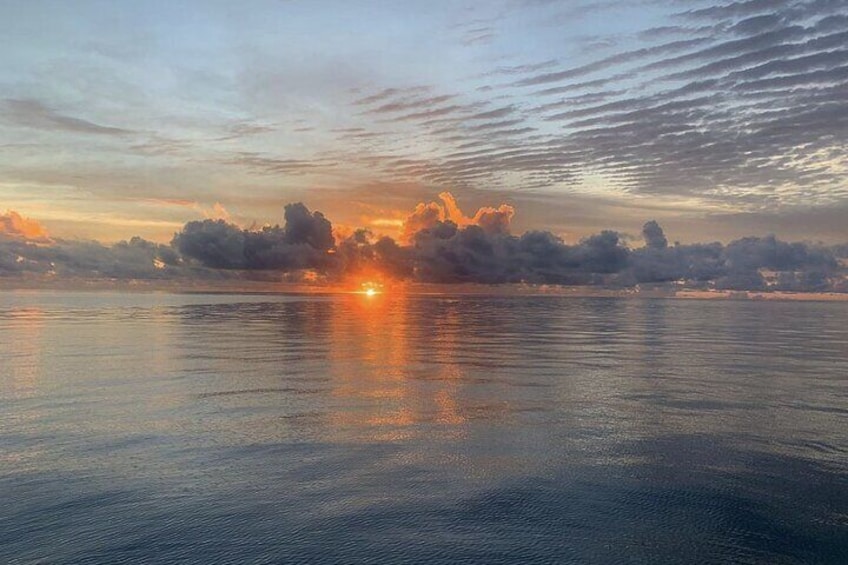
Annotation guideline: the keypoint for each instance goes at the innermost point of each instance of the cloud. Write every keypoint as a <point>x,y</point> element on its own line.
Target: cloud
<point>736,107</point>
<point>494,220</point>
<point>654,236</point>
<point>425,216</point>
<point>410,103</point>
<point>429,215</point>
<point>70,260</point>
<point>303,243</point>
<point>217,212</point>
<point>736,9</point>
<point>32,113</point>
<point>13,224</point>
<point>265,165</point>
<point>444,246</point>
<point>750,263</point>
<point>387,93</point>
<point>213,243</point>
<point>611,61</point>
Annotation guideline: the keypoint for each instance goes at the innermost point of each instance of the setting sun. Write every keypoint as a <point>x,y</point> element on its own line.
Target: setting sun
<point>371,288</point>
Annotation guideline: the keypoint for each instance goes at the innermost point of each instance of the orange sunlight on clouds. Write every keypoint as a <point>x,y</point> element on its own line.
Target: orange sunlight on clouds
<point>13,224</point>
<point>426,216</point>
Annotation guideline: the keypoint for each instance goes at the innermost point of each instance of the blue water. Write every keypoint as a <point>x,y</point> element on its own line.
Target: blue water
<point>156,428</point>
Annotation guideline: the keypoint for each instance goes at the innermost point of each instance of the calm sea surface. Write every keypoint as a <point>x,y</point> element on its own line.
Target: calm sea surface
<point>156,428</point>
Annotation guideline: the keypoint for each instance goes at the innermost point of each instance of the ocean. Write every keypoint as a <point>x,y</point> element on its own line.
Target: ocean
<point>168,428</point>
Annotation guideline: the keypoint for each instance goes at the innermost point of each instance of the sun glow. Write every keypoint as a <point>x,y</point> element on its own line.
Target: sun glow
<point>371,289</point>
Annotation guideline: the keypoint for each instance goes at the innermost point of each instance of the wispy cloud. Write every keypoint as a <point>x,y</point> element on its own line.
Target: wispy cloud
<point>737,106</point>
<point>34,114</point>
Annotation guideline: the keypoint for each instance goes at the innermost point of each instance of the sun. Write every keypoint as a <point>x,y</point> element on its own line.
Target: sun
<point>371,288</point>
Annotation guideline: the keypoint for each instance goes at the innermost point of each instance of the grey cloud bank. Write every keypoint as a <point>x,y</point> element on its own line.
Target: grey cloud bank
<point>443,250</point>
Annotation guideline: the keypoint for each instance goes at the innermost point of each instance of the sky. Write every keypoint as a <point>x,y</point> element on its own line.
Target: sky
<point>717,119</point>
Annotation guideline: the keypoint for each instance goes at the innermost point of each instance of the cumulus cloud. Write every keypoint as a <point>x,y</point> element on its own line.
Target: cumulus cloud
<point>428,215</point>
<point>13,224</point>
<point>447,253</point>
<point>444,246</point>
<point>63,259</point>
<point>425,216</point>
<point>750,263</point>
<point>654,235</point>
<point>217,212</point>
<point>303,243</point>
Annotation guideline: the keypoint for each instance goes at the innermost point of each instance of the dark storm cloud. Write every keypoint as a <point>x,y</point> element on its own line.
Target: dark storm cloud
<point>34,114</point>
